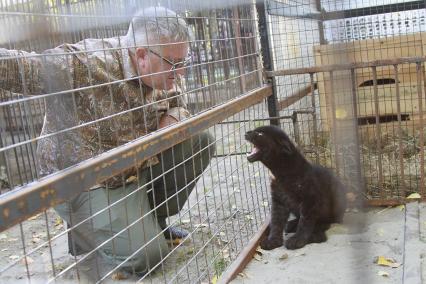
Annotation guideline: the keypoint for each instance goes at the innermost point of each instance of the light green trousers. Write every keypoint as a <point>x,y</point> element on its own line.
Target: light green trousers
<point>129,232</point>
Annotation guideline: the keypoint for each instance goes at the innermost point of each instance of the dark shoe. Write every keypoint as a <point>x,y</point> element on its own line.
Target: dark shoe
<point>173,233</point>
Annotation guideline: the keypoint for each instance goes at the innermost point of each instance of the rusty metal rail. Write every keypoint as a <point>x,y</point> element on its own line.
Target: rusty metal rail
<point>25,201</point>
<point>337,67</point>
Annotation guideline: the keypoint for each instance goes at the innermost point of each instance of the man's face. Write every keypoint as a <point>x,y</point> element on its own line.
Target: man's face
<point>158,63</point>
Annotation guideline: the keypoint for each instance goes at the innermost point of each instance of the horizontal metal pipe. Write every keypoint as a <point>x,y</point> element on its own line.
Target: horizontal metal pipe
<point>26,201</point>
<point>348,66</point>
<point>293,10</point>
<point>392,202</point>
<point>288,101</point>
<point>373,10</point>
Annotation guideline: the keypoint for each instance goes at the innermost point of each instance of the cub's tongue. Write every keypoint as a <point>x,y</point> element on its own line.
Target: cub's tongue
<point>253,152</point>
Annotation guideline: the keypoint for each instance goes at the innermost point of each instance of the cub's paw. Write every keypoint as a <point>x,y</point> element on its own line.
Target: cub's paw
<point>268,244</point>
<point>319,237</point>
<point>295,243</point>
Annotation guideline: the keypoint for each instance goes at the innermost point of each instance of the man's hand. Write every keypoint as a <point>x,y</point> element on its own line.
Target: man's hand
<point>166,120</point>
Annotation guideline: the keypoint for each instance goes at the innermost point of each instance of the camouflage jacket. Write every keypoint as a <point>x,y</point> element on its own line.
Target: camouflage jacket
<point>94,101</point>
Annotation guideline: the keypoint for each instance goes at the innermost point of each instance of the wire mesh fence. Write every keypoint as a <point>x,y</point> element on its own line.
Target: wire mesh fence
<point>122,149</point>
<point>85,97</point>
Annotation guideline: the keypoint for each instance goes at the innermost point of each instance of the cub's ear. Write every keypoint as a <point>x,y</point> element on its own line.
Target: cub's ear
<point>285,146</point>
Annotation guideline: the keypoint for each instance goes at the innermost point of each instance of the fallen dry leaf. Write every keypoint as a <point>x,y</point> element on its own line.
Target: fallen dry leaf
<point>260,251</point>
<point>414,196</point>
<point>59,222</point>
<point>383,273</point>
<point>37,235</point>
<point>283,257</point>
<point>390,262</point>
<point>225,254</point>
<point>29,260</point>
<point>257,256</point>
<point>13,257</point>
<point>35,240</point>
<point>202,225</point>
<point>34,217</point>
<point>244,275</point>
<point>380,232</point>
<point>185,221</point>
<point>401,207</point>
<point>130,179</point>
<point>249,217</point>
<point>118,276</point>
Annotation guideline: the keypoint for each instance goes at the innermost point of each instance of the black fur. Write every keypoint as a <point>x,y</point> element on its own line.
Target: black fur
<point>311,192</point>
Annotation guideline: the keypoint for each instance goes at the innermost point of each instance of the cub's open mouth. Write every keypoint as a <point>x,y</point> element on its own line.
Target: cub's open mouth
<point>254,155</point>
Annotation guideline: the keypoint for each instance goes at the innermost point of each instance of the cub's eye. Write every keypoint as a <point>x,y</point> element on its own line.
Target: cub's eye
<point>259,133</point>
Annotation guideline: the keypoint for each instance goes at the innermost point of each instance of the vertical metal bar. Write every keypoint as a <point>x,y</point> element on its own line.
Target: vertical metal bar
<point>49,240</point>
<point>357,154</point>
<point>423,191</point>
<point>314,115</point>
<point>398,109</point>
<point>378,131</point>
<point>237,31</point>
<point>320,23</point>
<point>422,154</point>
<point>211,70</point>
<point>24,249</point>
<point>267,61</point>
<point>200,35</point>
<point>254,41</point>
<point>296,128</point>
<point>204,29</point>
<point>333,123</point>
<point>3,159</point>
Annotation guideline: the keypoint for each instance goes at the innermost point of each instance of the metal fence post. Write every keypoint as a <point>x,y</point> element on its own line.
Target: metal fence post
<point>267,58</point>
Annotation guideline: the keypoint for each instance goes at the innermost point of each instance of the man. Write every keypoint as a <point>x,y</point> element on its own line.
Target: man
<point>102,95</point>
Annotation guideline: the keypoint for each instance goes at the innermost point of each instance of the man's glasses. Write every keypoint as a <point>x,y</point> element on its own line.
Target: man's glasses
<point>175,65</point>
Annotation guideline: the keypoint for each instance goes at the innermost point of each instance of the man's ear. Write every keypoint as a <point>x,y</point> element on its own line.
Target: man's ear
<point>285,146</point>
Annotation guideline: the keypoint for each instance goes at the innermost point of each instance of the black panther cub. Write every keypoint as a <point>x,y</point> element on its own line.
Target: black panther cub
<point>311,192</point>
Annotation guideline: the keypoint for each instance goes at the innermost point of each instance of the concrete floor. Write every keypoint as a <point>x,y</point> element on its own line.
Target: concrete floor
<point>351,250</point>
